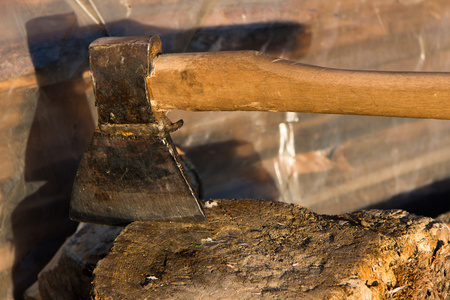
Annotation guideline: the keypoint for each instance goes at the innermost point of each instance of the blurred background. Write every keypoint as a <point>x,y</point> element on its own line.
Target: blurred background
<point>328,163</point>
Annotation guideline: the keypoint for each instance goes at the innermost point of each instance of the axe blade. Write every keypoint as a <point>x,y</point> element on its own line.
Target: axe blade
<point>131,170</point>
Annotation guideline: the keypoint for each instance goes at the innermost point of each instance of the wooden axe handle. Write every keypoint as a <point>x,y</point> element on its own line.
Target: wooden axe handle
<point>252,81</point>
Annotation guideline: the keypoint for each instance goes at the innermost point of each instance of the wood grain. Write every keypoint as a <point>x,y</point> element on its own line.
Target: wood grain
<point>252,81</point>
<point>253,249</point>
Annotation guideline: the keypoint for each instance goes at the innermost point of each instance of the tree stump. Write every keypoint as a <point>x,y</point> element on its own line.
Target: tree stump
<point>256,249</point>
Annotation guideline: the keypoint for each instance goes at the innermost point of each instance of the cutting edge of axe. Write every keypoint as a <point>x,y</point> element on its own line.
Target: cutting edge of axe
<point>131,170</point>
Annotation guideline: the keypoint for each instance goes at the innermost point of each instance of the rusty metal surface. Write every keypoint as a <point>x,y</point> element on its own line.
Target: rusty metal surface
<point>118,70</point>
<point>131,170</point>
<point>126,178</point>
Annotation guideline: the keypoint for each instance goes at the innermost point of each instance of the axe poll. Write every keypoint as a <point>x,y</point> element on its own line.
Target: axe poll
<point>131,170</point>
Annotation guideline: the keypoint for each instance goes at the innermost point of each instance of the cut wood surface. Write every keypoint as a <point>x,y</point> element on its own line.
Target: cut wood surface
<point>256,249</point>
<point>253,81</point>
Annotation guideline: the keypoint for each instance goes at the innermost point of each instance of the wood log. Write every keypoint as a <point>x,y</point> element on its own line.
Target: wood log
<point>69,274</point>
<point>272,250</point>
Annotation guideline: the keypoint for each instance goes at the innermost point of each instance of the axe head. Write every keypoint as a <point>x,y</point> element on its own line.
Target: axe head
<point>131,170</point>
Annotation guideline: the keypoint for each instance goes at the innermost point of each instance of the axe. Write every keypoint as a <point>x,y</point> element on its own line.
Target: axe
<point>131,170</point>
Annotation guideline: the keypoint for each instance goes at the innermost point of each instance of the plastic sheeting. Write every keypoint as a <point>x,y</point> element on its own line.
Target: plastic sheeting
<point>329,163</point>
